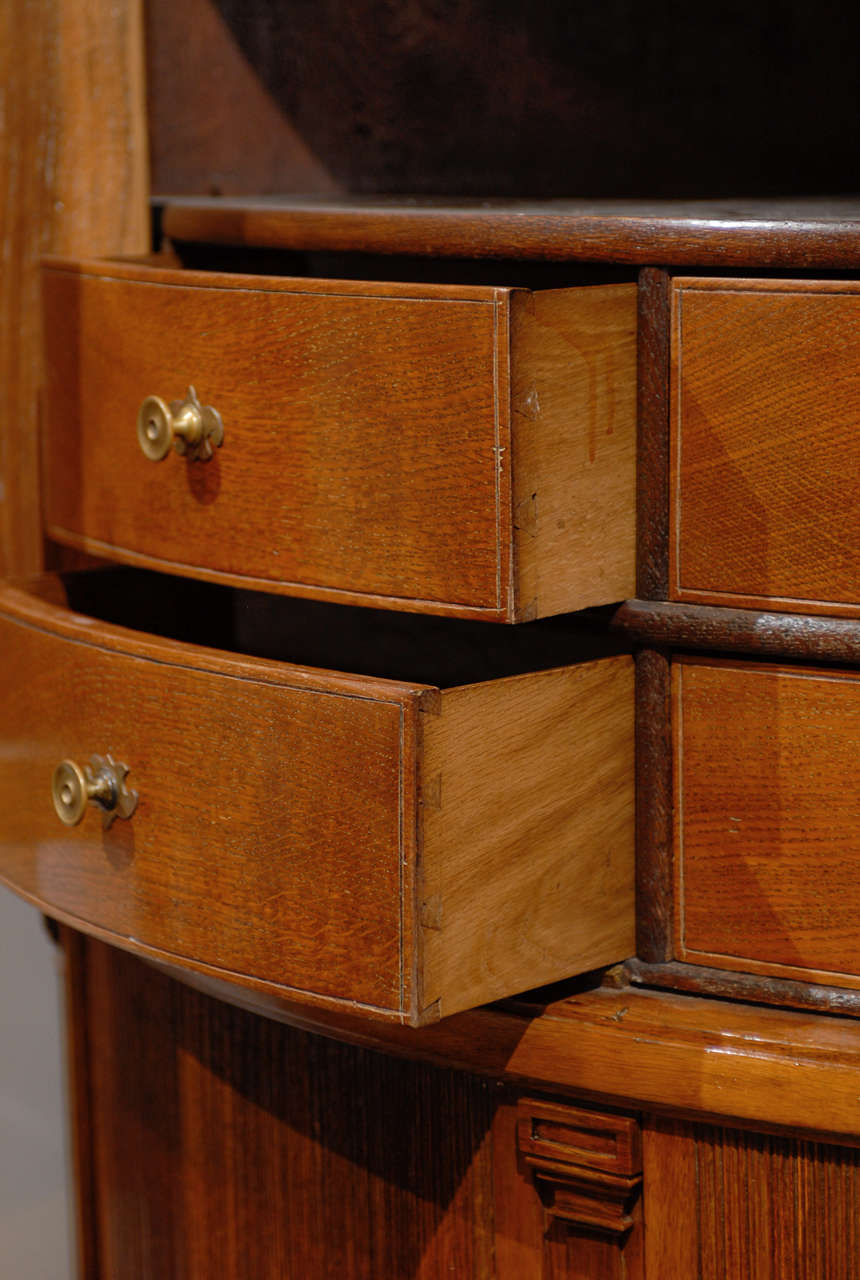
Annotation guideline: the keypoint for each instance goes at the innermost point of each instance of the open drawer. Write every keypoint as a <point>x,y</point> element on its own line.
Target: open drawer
<point>355,840</point>
<point>438,448</point>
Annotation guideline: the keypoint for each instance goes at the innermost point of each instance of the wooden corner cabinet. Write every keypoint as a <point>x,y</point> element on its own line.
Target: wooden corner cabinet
<point>430,705</point>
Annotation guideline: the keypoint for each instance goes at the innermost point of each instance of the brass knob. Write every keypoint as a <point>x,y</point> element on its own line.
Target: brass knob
<point>101,783</point>
<point>194,430</point>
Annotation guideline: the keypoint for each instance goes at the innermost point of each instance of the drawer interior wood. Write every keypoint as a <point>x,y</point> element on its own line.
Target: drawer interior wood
<point>452,449</point>
<point>404,847</point>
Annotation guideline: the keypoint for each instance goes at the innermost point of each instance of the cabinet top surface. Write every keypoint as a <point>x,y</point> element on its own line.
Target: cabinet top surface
<point>815,232</point>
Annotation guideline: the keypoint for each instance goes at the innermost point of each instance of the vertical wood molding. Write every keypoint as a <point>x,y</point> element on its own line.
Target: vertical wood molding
<point>654,883</point>
<point>73,180</point>
<point>652,470</point>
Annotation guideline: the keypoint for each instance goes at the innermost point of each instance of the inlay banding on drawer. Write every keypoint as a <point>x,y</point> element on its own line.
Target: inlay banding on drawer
<point>327,838</point>
<point>449,449</point>
<point>765,476</point>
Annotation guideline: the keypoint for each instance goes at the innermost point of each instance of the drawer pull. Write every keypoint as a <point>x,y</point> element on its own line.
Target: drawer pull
<point>101,782</point>
<point>194,430</point>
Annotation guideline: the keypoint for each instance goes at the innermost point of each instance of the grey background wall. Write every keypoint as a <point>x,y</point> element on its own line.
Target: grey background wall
<point>35,1231</point>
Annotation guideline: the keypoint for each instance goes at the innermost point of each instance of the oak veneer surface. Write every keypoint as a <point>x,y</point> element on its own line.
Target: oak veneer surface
<point>294,833</point>
<point>449,449</point>
<point>767,818</point>
<point>765,489</point>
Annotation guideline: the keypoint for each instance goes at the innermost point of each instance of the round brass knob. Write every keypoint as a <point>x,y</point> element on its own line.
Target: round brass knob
<point>101,782</point>
<point>192,429</point>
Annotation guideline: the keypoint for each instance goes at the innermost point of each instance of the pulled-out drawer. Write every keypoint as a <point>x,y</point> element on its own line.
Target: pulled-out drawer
<point>445,449</point>
<point>345,839</point>
<point>765,490</point>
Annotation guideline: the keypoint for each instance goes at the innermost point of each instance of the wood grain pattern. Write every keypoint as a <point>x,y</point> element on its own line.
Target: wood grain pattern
<point>652,448</point>
<point>787,993</point>
<point>654,801</point>
<point>795,637</point>
<point>630,1048</point>
<point>798,233</point>
<point>573,393</point>
<point>266,1152</point>
<point>753,1205</point>
<point>765,491</point>
<point>767,818</point>
<point>669,1200</point>
<point>499,893</point>
<point>73,180</point>
<point>368,444</point>
<point>276,839</point>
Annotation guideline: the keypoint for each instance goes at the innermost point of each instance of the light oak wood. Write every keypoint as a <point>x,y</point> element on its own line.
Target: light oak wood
<point>370,455</point>
<point>73,125</point>
<point>767,819</point>
<point>574,409</point>
<point>497,893</point>
<point>276,840</point>
<point>765,488</point>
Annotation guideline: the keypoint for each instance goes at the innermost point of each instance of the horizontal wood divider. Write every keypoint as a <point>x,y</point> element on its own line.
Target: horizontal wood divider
<point>655,1051</point>
<point>749,631</point>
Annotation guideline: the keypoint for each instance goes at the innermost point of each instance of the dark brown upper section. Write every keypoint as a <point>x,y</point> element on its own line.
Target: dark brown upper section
<point>807,233</point>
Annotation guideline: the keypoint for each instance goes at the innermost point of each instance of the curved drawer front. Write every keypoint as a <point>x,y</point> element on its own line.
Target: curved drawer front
<point>767,819</point>
<point>388,444</point>
<point>765,493</point>
<point>275,835</point>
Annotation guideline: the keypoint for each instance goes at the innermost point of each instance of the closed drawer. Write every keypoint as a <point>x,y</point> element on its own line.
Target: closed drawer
<point>765,490</point>
<point>342,839</point>
<point>446,449</point>
<point>767,839</point>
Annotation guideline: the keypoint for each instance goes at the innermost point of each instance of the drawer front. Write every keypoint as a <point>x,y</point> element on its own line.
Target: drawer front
<point>268,839</point>
<point>767,839</point>
<point>401,850</point>
<point>362,431</point>
<point>367,453</point>
<point>765,490</point>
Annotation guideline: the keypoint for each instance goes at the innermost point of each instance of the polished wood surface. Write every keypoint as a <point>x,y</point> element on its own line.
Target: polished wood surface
<point>73,123</point>
<point>302,831</point>
<point>767,818</point>
<point>637,1049</point>
<point>765,490</point>
<point>793,636</point>
<point>352,1171</point>
<point>451,449</point>
<point>723,1203</point>
<point>797,233</point>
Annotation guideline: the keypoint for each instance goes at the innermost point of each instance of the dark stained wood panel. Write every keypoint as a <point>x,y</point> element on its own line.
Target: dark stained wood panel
<point>767,818</point>
<point>765,488</point>
<point>722,1204</point>
<point>799,233</point>
<point>483,98</point>
<point>225,1145</point>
